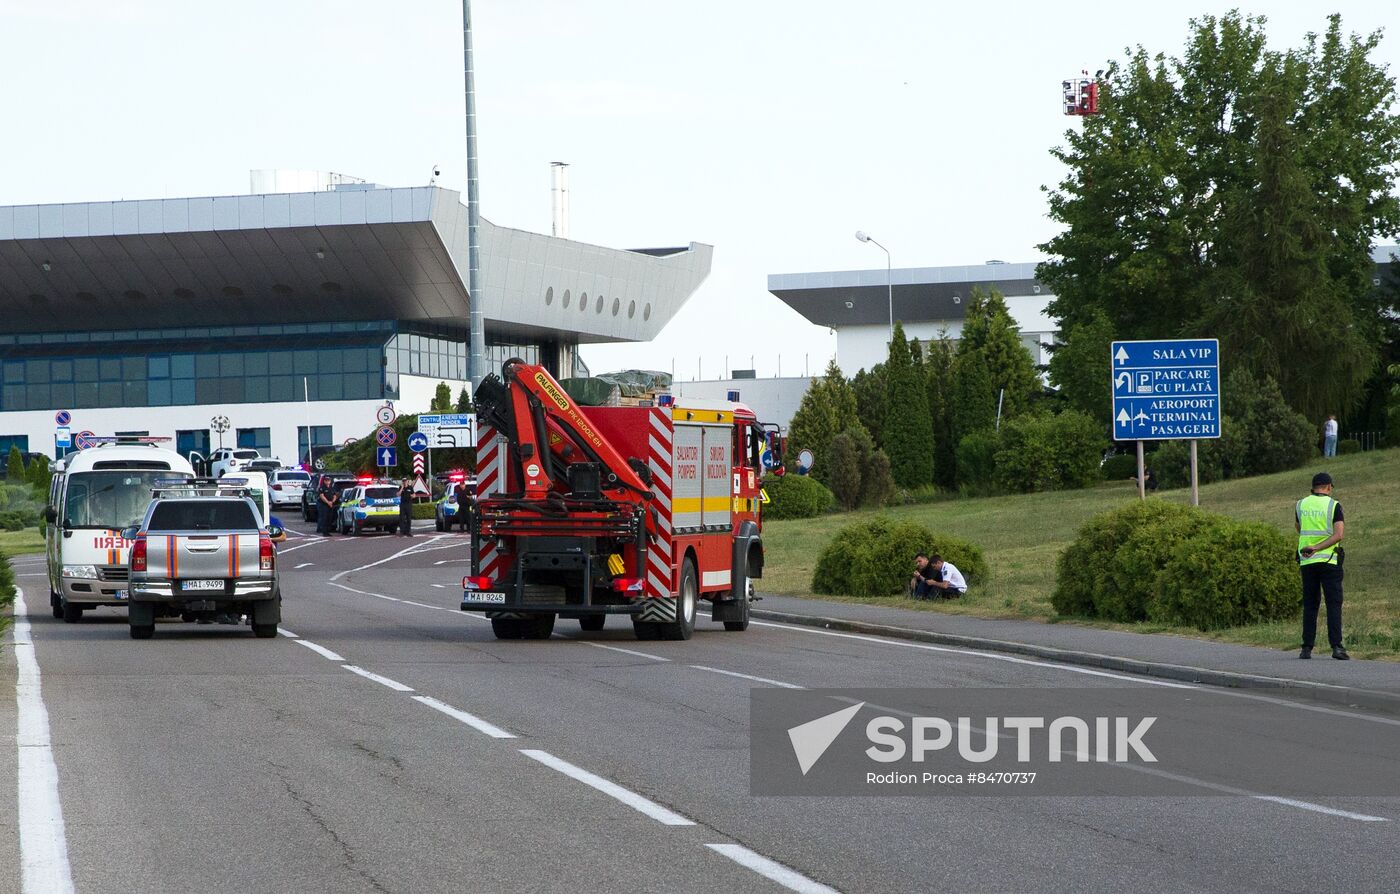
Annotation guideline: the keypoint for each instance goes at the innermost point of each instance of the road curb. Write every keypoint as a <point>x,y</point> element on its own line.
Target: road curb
<point>1326,692</point>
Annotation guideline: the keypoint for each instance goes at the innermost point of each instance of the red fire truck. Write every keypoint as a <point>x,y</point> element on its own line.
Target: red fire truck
<point>585,512</point>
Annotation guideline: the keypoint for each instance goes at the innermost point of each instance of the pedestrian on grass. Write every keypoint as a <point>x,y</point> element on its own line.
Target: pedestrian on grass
<point>1329,436</point>
<point>921,586</point>
<point>949,582</point>
<point>1318,519</point>
<point>406,508</point>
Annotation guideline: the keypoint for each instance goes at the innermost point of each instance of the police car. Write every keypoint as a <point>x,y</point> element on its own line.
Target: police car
<point>369,505</point>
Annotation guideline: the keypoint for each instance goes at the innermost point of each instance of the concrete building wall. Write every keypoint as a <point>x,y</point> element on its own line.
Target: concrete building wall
<point>862,346</point>
<point>774,400</point>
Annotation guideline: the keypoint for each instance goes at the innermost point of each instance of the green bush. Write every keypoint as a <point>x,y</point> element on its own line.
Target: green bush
<point>1275,437</point>
<point>1119,466</point>
<point>924,493</point>
<point>1216,458</point>
<point>7,582</point>
<point>15,520</point>
<point>843,476</point>
<point>1041,453</point>
<point>1228,574</point>
<point>1348,446</point>
<point>1148,549</point>
<point>424,510</point>
<point>1085,570</point>
<point>796,496</point>
<point>876,558</point>
<point>976,460</point>
<point>877,482</point>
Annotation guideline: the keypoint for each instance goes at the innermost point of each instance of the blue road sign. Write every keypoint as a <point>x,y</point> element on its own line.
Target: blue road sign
<point>62,417</point>
<point>62,437</point>
<point>1166,390</point>
<point>386,436</point>
<point>418,442</point>
<point>387,456</point>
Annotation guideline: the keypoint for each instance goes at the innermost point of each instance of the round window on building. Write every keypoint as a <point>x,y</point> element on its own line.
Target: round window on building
<point>617,305</point>
<point>566,297</point>
<point>599,308</point>
<point>549,296</point>
<point>646,311</point>
<point>631,309</point>
<point>583,302</point>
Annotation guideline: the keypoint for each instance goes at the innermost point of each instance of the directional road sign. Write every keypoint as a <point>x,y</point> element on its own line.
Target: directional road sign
<point>386,436</point>
<point>448,429</point>
<point>418,442</point>
<point>387,456</point>
<point>1166,390</point>
<point>62,417</point>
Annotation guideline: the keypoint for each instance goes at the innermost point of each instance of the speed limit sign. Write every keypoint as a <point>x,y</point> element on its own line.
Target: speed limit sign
<point>386,415</point>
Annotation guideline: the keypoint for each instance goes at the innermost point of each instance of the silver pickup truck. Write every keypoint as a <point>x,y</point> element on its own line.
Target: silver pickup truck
<point>202,555</point>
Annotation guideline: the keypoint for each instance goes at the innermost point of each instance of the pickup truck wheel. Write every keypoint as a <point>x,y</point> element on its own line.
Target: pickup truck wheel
<point>142,631</point>
<point>686,601</point>
<point>72,614</point>
<point>507,628</point>
<point>264,631</point>
<point>141,617</point>
<point>592,623</point>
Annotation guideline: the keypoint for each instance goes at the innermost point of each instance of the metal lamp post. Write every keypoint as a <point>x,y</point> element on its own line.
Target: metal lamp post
<point>889,274</point>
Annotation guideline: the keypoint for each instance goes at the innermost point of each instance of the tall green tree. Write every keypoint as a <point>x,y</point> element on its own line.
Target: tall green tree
<point>989,330</point>
<point>1176,193</point>
<point>442,399</point>
<point>908,428</point>
<point>869,389</point>
<point>1080,367</point>
<point>14,466</point>
<point>464,402</point>
<point>938,373</point>
<point>974,400</point>
<point>827,409</point>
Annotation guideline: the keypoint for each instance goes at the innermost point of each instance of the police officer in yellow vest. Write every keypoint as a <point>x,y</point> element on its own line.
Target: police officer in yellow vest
<point>1318,519</point>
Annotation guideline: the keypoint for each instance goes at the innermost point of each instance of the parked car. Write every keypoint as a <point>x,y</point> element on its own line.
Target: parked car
<point>448,507</point>
<point>264,465</point>
<point>368,506</point>
<point>202,553</point>
<point>336,480</point>
<point>288,486</point>
<point>230,459</point>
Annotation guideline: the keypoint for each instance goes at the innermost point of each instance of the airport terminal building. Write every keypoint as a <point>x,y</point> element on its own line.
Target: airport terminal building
<point>292,315</point>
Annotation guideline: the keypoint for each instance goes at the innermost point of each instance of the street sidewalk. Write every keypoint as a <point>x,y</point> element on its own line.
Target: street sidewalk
<point>1374,684</point>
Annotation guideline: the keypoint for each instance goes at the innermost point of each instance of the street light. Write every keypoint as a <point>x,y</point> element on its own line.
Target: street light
<point>889,275</point>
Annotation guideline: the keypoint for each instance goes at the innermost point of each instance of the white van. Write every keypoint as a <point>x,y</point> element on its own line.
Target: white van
<point>94,494</point>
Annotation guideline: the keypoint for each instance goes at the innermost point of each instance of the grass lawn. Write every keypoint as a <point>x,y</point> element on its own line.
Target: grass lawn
<point>1022,537</point>
<point>18,543</point>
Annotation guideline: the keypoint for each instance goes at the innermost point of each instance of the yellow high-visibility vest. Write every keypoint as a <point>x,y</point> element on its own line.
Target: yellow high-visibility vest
<point>1314,513</point>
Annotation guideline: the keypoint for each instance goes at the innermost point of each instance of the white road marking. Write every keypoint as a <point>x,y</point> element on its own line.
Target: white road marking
<point>382,681</point>
<point>31,574</point>
<point>450,561</point>
<point>1318,808</point>
<point>617,649</point>
<point>611,789</point>
<point>403,552</point>
<point>436,608</point>
<point>320,650</point>
<point>773,871</point>
<point>463,615</point>
<point>440,586</point>
<point>303,565</point>
<point>715,670</point>
<point>287,633</point>
<point>43,842</point>
<point>291,549</point>
<point>992,655</point>
<point>367,593</point>
<point>470,720</point>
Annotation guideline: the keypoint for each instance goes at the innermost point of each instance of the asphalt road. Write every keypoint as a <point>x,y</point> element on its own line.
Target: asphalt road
<point>389,743</point>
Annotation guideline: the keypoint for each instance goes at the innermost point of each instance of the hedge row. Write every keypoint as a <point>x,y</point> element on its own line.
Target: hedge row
<point>796,496</point>
<point>1177,565</point>
<point>7,582</point>
<point>876,558</point>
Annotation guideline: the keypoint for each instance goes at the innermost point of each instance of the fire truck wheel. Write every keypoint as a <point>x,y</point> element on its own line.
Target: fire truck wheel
<point>507,628</point>
<point>646,630</point>
<point>744,589</point>
<point>592,623</point>
<point>686,600</point>
<point>538,626</point>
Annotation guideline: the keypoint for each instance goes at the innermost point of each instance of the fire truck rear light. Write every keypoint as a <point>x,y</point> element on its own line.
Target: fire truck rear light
<point>627,584</point>
<point>265,552</point>
<point>477,582</point>
<point>138,554</point>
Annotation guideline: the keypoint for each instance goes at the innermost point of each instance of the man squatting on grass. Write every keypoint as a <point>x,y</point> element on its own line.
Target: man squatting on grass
<point>935,577</point>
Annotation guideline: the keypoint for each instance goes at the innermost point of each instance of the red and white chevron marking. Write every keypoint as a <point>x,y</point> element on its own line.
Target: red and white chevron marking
<point>490,479</point>
<point>659,440</point>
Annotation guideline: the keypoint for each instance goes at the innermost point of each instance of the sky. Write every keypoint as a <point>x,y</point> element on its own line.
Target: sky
<point>770,129</point>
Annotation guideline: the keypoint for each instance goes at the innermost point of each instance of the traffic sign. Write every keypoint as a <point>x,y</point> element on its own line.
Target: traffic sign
<point>62,417</point>
<point>448,429</point>
<point>386,436</point>
<point>418,464</point>
<point>387,456</point>
<point>82,442</point>
<point>349,441</point>
<point>1166,390</point>
<point>418,442</point>
<point>62,437</point>
<point>386,415</point>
